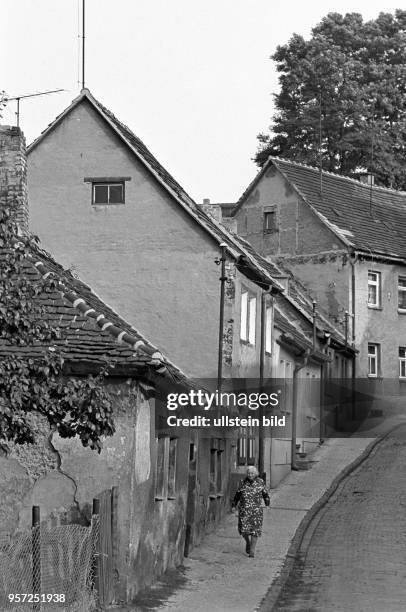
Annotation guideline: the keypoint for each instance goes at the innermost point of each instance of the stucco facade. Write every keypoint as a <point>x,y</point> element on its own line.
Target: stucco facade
<point>146,258</point>
<point>334,273</point>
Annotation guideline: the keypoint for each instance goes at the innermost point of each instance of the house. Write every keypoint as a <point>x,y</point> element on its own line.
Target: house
<point>345,239</point>
<point>105,207</point>
<point>163,498</point>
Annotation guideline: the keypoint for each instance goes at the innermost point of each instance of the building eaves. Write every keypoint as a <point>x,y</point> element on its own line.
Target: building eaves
<point>91,332</point>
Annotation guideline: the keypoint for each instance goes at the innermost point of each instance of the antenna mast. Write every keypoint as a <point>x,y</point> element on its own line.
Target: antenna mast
<point>320,147</point>
<point>83,43</point>
<point>34,95</point>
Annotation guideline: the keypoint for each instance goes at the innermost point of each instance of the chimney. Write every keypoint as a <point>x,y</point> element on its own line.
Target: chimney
<point>367,178</point>
<point>212,209</point>
<point>13,174</point>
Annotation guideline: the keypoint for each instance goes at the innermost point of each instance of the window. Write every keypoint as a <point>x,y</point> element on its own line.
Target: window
<point>268,330</point>
<point>373,360</point>
<point>108,193</point>
<point>402,293</point>
<point>374,289</point>
<point>252,316</point>
<point>216,467</point>
<point>172,467</point>
<point>246,446</point>
<point>270,223</point>
<point>244,316</point>
<point>402,362</point>
<point>248,317</point>
<point>160,468</point>
<point>165,472</point>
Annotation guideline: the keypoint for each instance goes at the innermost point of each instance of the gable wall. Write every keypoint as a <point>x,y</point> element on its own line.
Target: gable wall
<point>147,259</point>
<point>299,230</point>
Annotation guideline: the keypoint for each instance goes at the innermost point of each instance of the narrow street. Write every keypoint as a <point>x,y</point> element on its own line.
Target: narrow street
<point>352,557</point>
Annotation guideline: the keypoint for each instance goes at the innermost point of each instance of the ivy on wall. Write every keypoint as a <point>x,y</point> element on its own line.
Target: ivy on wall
<point>31,364</point>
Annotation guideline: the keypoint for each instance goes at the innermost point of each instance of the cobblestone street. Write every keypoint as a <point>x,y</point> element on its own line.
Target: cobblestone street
<point>352,557</point>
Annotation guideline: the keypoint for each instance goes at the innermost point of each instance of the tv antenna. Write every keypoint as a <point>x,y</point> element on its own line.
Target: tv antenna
<point>18,98</point>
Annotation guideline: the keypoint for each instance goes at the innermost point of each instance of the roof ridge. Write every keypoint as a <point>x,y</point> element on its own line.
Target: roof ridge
<point>335,175</point>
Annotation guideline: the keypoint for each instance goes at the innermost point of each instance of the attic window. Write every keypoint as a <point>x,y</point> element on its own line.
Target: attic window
<point>270,224</point>
<point>108,193</point>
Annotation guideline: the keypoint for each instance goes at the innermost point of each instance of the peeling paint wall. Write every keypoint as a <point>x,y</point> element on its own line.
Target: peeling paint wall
<point>63,477</point>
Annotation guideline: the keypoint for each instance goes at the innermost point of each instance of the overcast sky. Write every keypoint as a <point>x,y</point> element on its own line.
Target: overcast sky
<point>191,78</point>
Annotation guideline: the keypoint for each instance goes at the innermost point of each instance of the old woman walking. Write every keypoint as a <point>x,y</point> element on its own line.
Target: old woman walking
<point>250,493</point>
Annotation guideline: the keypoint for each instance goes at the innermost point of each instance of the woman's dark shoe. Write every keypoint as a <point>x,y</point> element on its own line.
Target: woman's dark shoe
<point>253,545</point>
<point>247,544</point>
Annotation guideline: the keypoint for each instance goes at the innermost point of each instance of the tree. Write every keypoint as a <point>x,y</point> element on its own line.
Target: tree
<point>343,98</point>
<point>36,384</point>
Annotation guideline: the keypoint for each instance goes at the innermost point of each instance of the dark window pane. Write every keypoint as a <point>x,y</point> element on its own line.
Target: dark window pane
<point>172,467</point>
<point>219,472</point>
<point>269,221</point>
<point>160,473</point>
<point>101,194</point>
<point>116,194</point>
<point>402,300</point>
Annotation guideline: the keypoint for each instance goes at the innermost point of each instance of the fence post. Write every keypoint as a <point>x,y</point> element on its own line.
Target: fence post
<point>36,556</point>
<point>96,562</point>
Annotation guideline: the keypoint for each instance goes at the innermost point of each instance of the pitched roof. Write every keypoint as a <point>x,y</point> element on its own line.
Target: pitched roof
<point>365,218</point>
<point>90,331</point>
<point>235,246</point>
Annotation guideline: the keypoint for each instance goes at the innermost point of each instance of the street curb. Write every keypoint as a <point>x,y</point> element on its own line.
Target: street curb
<point>268,602</point>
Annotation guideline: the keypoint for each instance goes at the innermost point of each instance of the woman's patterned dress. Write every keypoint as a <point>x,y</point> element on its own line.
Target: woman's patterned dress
<point>249,497</point>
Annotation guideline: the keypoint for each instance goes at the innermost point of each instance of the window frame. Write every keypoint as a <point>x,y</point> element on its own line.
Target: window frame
<point>377,284</point>
<point>268,329</point>
<point>244,315</point>
<point>402,362</point>
<point>401,289</point>
<point>166,461</point>
<point>246,446</point>
<point>107,184</point>
<point>216,468</point>
<point>248,316</point>
<point>273,226</point>
<point>377,357</point>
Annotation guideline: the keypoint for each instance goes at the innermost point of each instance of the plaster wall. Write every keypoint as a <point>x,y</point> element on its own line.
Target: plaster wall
<point>62,477</point>
<point>146,258</point>
<point>298,230</point>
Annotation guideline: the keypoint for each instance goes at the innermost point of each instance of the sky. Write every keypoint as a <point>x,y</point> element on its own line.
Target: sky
<point>193,79</point>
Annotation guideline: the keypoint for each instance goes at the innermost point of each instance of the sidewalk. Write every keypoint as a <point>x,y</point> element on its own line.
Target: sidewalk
<point>219,577</point>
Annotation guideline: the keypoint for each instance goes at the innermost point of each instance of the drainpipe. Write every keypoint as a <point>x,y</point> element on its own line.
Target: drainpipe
<point>261,440</point>
<point>323,377</point>
<point>297,368</point>
<point>314,324</point>
<point>353,373</point>
<point>222,279</point>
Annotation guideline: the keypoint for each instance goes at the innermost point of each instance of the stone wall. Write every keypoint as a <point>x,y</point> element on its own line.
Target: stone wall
<point>13,174</point>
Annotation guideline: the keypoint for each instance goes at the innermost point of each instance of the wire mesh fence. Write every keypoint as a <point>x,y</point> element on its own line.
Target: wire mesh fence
<point>49,568</point>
